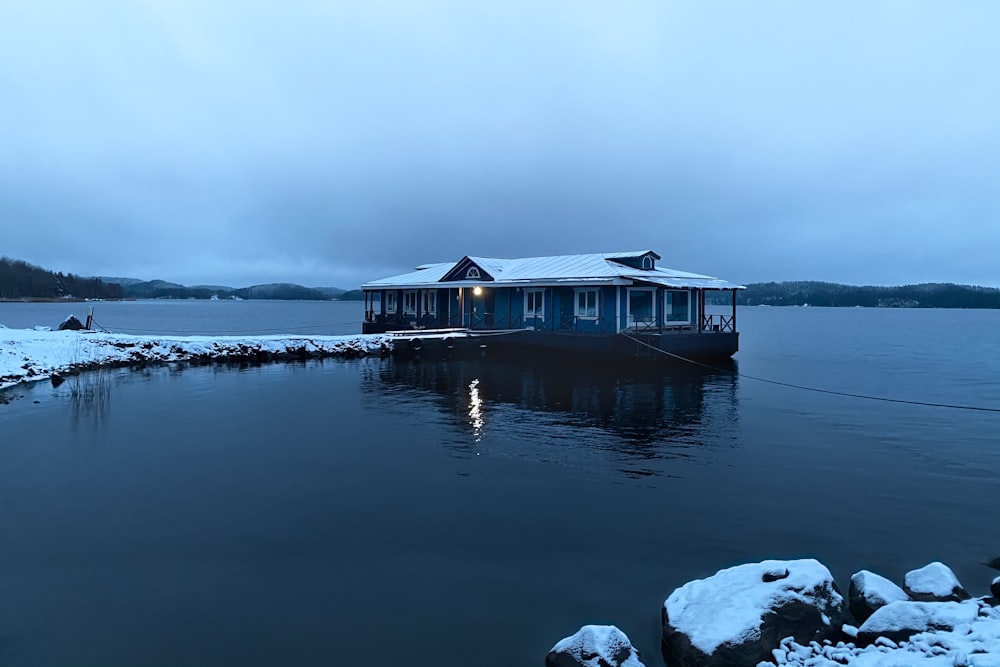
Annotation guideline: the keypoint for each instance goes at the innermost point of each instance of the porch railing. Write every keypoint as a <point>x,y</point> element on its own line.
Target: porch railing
<point>720,323</point>
<point>579,324</point>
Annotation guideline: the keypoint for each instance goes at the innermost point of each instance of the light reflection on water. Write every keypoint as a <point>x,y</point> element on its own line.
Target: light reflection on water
<point>638,419</point>
<point>477,417</point>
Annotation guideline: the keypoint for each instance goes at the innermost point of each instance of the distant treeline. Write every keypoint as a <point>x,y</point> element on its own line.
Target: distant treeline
<point>161,289</point>
<point>927,295</point>
<point>20,280</point>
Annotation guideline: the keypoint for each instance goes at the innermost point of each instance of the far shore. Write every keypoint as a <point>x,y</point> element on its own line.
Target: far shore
<point>41,299</point>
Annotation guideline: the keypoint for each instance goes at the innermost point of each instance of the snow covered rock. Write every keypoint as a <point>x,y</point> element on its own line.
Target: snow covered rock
<point>898,621</point>
<point>934,582</point>
<point>995,588</point>
<point>71,323</point>
<point>594,646</point>
<point>869,592</point>
<point>739,615</point>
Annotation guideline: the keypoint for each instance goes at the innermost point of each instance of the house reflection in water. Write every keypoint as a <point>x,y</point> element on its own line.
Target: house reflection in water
<point>550,411</point>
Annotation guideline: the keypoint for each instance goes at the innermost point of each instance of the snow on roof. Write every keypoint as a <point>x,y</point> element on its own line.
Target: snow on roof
<point>558,268</point>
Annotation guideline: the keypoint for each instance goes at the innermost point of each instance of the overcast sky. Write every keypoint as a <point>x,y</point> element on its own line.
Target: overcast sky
<point>329,143</point>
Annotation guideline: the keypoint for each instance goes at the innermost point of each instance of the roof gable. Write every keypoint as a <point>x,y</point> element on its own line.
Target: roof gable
<point>466,269</point>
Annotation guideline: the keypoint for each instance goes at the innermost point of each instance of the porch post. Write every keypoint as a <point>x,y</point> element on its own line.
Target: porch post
<point>701,310</point>
<point>734,311</point>
<point>661,309</point>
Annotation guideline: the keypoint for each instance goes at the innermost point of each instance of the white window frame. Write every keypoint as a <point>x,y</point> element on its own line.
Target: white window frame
<point>576,303</point>
<point>532,314</point>
<point>430,302</point>
<point>390,302</point>
<point>408,296</point>
<point>652,300</point>
<point>668,307</point>
<point>472,274</point>
<point>647,263</point>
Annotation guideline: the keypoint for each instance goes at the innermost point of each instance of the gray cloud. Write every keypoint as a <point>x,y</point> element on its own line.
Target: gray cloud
<point>332,143</point>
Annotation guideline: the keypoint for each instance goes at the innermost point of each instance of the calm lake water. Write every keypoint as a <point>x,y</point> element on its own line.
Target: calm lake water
<point>471,512</point>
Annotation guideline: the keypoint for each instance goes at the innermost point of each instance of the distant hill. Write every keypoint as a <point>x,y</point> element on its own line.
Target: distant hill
<point>161,289</point>
<point>280,291</point>
<point>812,293</point>
<point>352,295</point>
<point>330,292</point>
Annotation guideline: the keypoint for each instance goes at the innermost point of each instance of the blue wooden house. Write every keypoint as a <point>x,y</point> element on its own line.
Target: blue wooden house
<point>600,302</point>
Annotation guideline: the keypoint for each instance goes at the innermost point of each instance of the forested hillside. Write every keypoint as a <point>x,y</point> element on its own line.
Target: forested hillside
<point>20,280</point>
<point>802,293</point>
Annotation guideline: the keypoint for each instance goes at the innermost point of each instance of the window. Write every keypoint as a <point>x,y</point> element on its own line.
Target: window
<point>472,273</point>
<point>534,303</point>
<point>586,303</point>
<point>390,302</point>
<point>647,262</point>
<point>430,302</point>
<point>640,308</point>
<point>675,306</point>
<point>409,301</point>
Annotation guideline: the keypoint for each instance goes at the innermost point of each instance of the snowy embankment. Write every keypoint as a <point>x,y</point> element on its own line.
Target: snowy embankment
<point>27,355</point>
<point>792,614</point>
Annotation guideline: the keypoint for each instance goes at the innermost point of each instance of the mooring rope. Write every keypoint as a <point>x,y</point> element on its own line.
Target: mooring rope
<point>818,390</point>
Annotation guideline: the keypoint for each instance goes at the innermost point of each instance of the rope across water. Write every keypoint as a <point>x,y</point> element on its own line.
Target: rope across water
<point>818,390</point>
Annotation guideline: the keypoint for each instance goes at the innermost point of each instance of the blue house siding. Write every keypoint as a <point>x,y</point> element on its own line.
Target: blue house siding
<point>594,296</point>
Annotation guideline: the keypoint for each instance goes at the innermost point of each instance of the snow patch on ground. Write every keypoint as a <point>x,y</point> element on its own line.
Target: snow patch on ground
<point>27,355</point>
<point>974,642</point>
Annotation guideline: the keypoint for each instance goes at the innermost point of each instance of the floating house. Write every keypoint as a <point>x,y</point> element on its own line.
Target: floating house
<point>615,303</point>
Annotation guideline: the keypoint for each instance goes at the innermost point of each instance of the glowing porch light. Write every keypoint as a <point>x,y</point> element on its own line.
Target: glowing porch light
<point>477,290</point>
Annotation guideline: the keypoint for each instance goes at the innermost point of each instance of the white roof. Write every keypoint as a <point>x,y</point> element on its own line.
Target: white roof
<point>561,269</point>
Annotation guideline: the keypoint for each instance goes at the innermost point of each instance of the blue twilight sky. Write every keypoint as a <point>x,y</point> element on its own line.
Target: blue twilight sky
<point>330,143</point>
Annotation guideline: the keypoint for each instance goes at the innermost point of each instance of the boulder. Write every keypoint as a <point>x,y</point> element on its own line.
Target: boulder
<point>934,582</point>
<point>739,615</point>
<point>869,592</point>
<point>594,646</point>
<point>995,588</point>
<point>898,621</point>
<point>71,324</point>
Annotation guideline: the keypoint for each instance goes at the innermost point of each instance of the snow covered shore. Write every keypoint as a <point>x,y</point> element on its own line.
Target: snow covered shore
<point>28,355</point>
<point>792,614</point>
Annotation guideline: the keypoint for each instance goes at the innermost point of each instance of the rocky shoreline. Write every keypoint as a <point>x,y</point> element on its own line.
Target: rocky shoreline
<point>30,355</point>
<point>792,613</point>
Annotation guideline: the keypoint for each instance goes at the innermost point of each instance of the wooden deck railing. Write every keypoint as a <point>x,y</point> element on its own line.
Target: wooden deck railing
<point>720,323</point>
